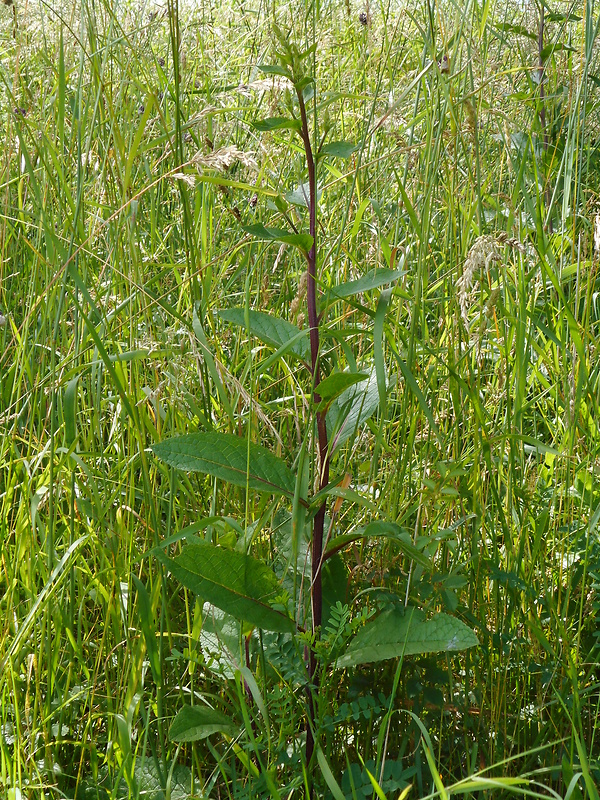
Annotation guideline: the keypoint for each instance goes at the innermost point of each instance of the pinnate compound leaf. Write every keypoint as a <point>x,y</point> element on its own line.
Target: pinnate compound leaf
<point>197,722</point>
<point>372,280</point>
<point>271,330</point>
<point>235,582</point>
<point>230,458</point>
<point>304,241</point>
<point>277,123</point>
<point>396,632</point>
<point>338,149</point>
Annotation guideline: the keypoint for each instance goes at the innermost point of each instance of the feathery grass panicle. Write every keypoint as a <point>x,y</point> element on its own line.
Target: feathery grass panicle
<point>223,158</point>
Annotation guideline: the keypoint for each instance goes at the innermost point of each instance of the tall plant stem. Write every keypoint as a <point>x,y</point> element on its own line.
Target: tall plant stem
<point>319,520</point>
<point>542,110</point>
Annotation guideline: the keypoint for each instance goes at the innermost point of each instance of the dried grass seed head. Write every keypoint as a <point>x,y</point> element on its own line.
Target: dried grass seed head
<point>223,158</point>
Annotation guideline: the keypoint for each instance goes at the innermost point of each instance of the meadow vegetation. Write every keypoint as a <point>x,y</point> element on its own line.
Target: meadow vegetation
<point>299,399</point>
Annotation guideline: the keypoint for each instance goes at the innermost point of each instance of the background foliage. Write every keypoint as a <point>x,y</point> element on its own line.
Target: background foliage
<point>132,164</point>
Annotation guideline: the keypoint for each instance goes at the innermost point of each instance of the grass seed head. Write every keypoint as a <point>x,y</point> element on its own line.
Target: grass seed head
<point>223,158</point>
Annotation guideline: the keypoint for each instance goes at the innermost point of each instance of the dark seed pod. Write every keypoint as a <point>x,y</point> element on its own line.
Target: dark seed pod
<point>363,18</point>
<point>161,62</point>
<point>253,200</point>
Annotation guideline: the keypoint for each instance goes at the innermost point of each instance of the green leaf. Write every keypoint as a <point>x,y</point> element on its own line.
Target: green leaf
<point>304,241</point>
<point>330,780</point>
<point>230,458</point>
<point>350,410</point>
<point>415,389</point>
<point>219,641</point>
<point>301,195</point>
<point>146,617</point>
<point>271,330</point>
<point>336,383</point>
<point>277,123</point>
<point>235,582</point>
<point>338,149</point>
<point>70,410</point>
<point>149,781</point>
<point>387,530</point>
<point>275,69</point>
<point>372,280</point>
<point>211,366</point>
<point>378,355</point>
<point>197,722</point>
<point>555,48</point>
<point>396,633</point>
<point>307,87</point>
<point>518,30</point>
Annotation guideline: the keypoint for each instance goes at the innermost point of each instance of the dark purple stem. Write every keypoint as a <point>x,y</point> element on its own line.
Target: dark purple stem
<point>319,520</point>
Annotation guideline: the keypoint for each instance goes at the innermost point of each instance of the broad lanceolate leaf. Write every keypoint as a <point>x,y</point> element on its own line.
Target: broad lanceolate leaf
<point>275,69</point>
<point>372,280</point>
<point>197,722</point>
<point>338,149</point>
<point>519,30</point>
<point>301,195</point>
<point>554,48</point>
<point>395,633</point>
<point>384,529</point>
<point>277,123</point>
<point>333,385</point>
<point>235,582</point>
<point>271,330</point>
<point>348,411</point>
<point>229,458</point>
<point>304,241</point>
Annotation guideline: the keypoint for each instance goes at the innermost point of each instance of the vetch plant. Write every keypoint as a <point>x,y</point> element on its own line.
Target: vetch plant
<point>245,586</point>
